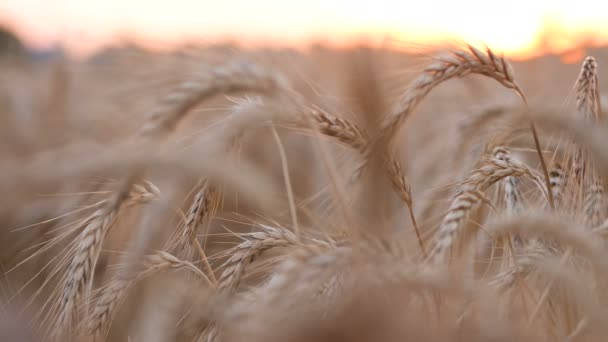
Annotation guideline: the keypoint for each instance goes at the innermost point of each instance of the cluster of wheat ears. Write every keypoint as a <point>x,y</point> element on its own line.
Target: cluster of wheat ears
<point>518,253</point>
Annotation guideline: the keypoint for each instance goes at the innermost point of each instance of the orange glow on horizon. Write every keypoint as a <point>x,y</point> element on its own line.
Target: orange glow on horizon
<point>519,28</point>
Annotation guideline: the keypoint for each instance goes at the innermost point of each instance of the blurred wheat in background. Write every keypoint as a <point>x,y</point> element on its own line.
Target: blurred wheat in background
<point>220,193</point>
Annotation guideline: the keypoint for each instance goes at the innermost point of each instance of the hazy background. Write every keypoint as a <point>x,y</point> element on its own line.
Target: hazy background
<point>519,28</point>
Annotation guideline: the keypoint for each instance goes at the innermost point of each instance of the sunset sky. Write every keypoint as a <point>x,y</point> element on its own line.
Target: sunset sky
<point>513,27</point>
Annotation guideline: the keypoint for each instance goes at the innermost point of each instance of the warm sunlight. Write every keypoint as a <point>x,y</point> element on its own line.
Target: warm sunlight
<point>516,28</point>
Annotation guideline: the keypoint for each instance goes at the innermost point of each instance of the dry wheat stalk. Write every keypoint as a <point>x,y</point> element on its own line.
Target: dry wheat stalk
<point>295,280</point>
<point>402,186</point>
<point>594,205</point>
<point>303,271</point>
<point>113,294</point>
<point>142,193</point>
<point>341,129</point>
<point>513,196</point>
<point>556,178</point>
<point>587,105</point>
<point>244,253</point>
<point>587,91</point>
<point>202,205</point>
<point>507,278</point>
<point>562,230</point>
<point>532,251</point>
<point>372,251</point>
<point>79,274</point>
<point>459,63</point>
<point>330,288</point>
<point>201,210</point>
<point>513,202</point>
<point>470,195</point>
<point>398,180</point>
<point>81,267</point>
<point>234,77</point>
<point>578,164</point>
<point>349,134</point>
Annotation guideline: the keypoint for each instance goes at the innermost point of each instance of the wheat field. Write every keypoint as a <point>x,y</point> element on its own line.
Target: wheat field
<point>366,194</point>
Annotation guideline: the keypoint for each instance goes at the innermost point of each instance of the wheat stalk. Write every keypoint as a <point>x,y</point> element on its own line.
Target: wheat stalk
<point>556,178</point>
<point>594,205</point>
<point>403,188</point>
<point>349,134</point>
<point>513,196</point>
<point>314,281</point>
<point>202,206</point>
<point>236,77</point>
<point>244,253</point>
<point>532,251</point>
<point>458,64</point>
<point>307,265</point>
<point>470,195</point>
<point>513,201</point>
<point>79,274</point>
<point>587,105</point>
<point>341,129</point>
<point>113,294</point>
<point>587,91</point>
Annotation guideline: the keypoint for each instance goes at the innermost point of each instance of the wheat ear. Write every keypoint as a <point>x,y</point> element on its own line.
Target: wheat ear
<point>458,64</point>
<point>513,196</point>
<point>95,227</point>
<point>587,91</point>
<point>349,134</point>
<point>241,256</point>
<point>587,105</point>
<point>232,78</point>
<point>113,294</point>
<point>402,186</point>
<point>244,253</point>
<point>594,205</point>
<point>556,178</point>
<point>228,79</point>
<point>340,129</point>
<point>470,195</point>
<point>307,265</point>
<point>513,201</point>
<point>200,210</point>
